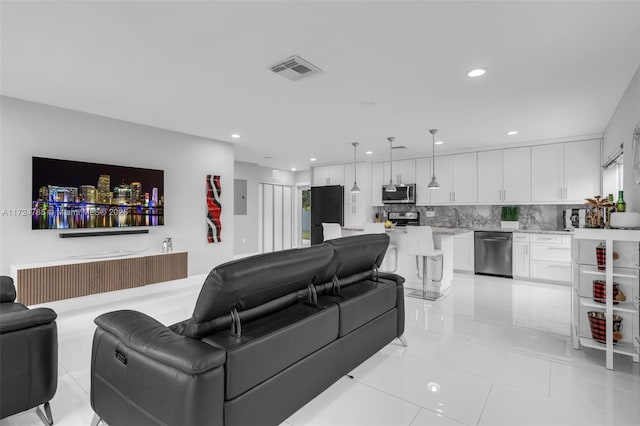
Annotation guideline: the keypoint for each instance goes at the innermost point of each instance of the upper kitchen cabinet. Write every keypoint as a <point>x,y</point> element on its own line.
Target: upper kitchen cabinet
<point>565,172</point>
<point>457,176</point>
<point>504,175</point>
<point>404,171</point>
<point>377,180</point>
<point>328,175</point>
<point>423,177</point>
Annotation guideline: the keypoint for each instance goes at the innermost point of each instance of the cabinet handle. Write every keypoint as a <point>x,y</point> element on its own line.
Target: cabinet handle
<point>454,196</point>
<point>328,181</point>
<point>558,248</point>
<point>504,195</point>
<point>565,193</point>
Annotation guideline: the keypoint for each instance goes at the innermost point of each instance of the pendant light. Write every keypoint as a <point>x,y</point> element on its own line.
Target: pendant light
<point>391,187</point>
<point>434,183</point>
<point>355,189</point>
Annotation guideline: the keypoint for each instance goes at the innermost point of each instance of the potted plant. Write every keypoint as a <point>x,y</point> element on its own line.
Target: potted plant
<point>509,217</point>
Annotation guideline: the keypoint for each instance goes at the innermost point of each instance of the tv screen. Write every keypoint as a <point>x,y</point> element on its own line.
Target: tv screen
<point>74,194</point>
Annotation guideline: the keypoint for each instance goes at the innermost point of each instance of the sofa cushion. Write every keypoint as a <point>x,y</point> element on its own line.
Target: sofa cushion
<point>252,281</point>
<point>356,254</point>
<point>362,302</point>
<point>272,343</point>
<point>9,307</point>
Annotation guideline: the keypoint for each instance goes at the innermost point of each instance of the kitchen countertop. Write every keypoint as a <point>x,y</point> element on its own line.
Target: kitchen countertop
<point>456,231</point>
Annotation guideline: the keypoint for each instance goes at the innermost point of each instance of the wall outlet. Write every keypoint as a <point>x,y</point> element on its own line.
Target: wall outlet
<point>430,213</point>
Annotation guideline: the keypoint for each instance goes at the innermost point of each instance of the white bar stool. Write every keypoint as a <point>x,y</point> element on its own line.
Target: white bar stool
<point>331,231</point>
<point>378,228</point>
<point>420,244</point>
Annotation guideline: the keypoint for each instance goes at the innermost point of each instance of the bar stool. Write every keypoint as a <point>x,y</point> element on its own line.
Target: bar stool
<point>420,244</point>
<point>331,231</point>
<point>378,228</point>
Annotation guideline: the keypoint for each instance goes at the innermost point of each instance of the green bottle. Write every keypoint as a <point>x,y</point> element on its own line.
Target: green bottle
<point>610,209</point>
<point>621,205</point>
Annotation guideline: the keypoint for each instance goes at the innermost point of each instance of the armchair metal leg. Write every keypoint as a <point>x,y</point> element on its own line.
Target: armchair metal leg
<point>403,341</point>
<point>46,417</point>
<point>96,420</point>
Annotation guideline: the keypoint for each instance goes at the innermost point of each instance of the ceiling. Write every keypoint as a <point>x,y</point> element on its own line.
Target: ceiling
<point>555,70</point>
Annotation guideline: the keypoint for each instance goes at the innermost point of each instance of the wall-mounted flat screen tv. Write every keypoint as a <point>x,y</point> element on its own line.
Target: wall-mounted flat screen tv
<point>74,194</point>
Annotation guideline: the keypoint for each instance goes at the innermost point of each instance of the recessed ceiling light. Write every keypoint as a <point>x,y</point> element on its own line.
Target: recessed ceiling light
<point>293,169</point>
<point>312,159</point>
<point>477,72</point>
<point>235,135</point>
<point>369,152</point>
<point>512,132</point>
<point>439,142</point>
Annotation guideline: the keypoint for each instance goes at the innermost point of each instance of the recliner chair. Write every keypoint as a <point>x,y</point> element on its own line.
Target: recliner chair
<point>28,355</point>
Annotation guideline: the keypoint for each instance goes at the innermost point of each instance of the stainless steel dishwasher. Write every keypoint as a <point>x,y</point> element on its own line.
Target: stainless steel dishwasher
<point>493,254</point>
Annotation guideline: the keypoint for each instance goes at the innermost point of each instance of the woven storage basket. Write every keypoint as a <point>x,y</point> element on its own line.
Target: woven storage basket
<point>598,322</point>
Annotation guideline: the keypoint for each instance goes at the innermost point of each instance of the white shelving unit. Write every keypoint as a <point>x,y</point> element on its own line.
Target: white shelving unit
<point>624,271</point>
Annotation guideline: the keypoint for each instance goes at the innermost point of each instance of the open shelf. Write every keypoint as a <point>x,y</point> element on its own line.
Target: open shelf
<point>620,307</point>
<point>603,273</point>
<point>619,348</point>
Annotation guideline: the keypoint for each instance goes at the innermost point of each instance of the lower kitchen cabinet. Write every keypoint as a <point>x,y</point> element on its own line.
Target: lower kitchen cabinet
<point>520,256</point>
<point>550,257</point>
<point>616,271</point>
<point>463,252</point>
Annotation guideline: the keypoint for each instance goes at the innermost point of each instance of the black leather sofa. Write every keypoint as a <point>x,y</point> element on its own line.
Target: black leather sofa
<point>268,334</point>
<point>28,355</point>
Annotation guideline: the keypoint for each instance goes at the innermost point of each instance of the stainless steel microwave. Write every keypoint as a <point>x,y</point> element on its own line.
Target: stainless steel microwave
<point>404,194</point>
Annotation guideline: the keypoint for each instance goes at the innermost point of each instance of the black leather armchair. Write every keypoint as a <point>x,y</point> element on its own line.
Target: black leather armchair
<point>28,355</point>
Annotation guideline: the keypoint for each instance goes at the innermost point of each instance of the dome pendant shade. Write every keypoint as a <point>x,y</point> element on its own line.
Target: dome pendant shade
<point>390,188</point>
<point>355,189</point>
<point>433,184</point>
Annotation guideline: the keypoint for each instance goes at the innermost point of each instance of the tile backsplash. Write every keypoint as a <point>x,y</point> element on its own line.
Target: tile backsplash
<point>532,217</point>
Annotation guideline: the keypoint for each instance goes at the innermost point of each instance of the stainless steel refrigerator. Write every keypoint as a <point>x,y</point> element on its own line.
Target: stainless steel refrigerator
<point>327,206</point>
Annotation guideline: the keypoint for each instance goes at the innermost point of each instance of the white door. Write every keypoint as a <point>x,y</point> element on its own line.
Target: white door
<point>443,173</point>
<point>465,175</point>
<point>547,165</point>
<point>377,180</point>
<point>490,176</point>
<point>581,170</point>
<point>423,177</point>
<point>521,259</point>
<point>516,175</point>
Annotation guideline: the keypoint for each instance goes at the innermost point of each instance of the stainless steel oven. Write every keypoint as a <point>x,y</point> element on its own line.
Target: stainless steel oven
<point>404,194</point>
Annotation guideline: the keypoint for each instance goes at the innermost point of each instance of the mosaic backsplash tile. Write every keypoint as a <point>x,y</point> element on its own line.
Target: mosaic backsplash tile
<point>532,217</point>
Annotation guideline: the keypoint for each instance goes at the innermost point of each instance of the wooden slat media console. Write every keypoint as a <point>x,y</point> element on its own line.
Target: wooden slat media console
<point>49,283</point>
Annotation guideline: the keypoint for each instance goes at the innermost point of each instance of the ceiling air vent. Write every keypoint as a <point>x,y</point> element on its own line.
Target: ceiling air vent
<point>295,68</point>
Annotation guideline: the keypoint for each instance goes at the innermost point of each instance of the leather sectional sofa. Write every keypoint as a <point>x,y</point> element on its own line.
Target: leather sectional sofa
<point>268,334</point>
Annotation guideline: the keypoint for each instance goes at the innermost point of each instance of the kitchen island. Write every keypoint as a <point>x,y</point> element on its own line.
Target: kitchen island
<point>406,264</point>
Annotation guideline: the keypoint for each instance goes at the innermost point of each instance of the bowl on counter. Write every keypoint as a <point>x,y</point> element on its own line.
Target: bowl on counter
<point>625,220</point>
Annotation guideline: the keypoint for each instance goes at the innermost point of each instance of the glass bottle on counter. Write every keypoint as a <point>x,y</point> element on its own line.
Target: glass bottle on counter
<point>621,206</point>
<point>610,209</point>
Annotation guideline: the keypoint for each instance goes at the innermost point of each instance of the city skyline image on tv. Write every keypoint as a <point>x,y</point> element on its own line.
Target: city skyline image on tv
<point>75,194</point>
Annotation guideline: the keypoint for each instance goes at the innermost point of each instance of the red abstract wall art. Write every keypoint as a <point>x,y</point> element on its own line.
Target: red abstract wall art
<point>214,208</point>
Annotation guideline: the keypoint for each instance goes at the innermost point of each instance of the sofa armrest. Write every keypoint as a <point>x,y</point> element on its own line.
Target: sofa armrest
<point>144,334</point>
<point>20,320</point>
<point>7,289</point>
<point>399,297</point>
<point>393,277</point>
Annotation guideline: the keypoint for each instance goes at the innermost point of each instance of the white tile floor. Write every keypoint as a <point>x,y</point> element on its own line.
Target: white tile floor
<point>492,352</point>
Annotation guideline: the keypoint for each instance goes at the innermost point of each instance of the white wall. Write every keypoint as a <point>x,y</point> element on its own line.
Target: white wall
<point>620,130</point>
<point>246,226</point>
<point>30,129</point>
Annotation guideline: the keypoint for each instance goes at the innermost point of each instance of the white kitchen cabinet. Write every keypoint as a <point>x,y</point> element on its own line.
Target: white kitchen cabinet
<point>516,175</point>
<point>404,172</point>
<point>355,215</point>
<point>550,257</point>
<point>622,270</point>
<point>520,257</point>
<point>490,176</point>
<point>565,172</point>
<point>423,177</point>
<point>356,205</point>
<point>444,175</point>
<point>504,175</point>
<point>377,180</point>
<point>328,175</point>
<point>581,170</point>
<point>547,173</point>
<point>465,175</point>
<point>463,252</point>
